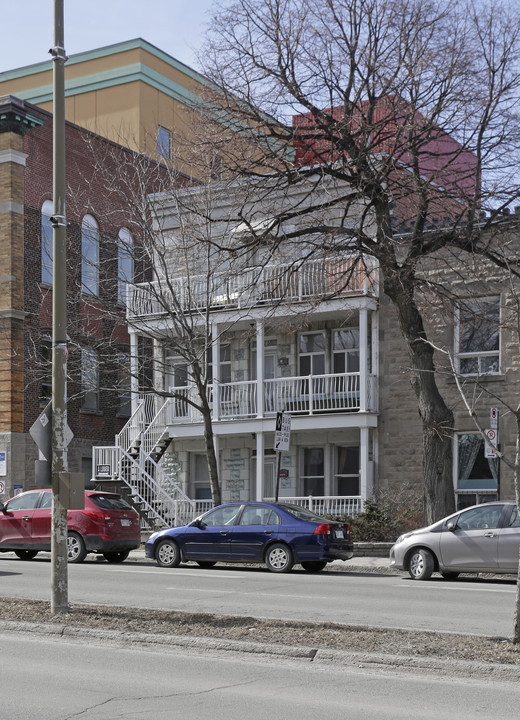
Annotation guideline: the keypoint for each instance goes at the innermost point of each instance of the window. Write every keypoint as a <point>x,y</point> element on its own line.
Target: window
<point>478,337</point>
<point>312,354</point>
<point>345,350</point>
<point>225,363</point>
<point>90,378</point>
<point>313,476</point>
<point>258,515</point>
<point>26,501</point>
<point>46,369</point>
<point>346,476</point>
<point>89,256</point>
<point>477,475</point>
<point>164,142</point>
<point>46,243</point>
<point>221,516</point>
<point>480,518</point>
<point>125,264</point>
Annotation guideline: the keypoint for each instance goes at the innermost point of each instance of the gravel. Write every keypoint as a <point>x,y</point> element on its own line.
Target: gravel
<point>323,636</point>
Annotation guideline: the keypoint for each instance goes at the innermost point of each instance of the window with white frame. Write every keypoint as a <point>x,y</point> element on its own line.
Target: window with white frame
<point>478,336</point>
<point>89,256</point>
<point>125,263</point>
<point>313,475</point>
<point>345,350</point>
<point>346,475</point>
<point>124,384</point>
<point>477,475</point>
<point>90,378</point>
<point>312,348</point>
<point>46,243</point>
<point>164,142</point>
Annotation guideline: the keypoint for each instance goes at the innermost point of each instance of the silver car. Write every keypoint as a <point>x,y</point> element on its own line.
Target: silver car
<point>481,538</point>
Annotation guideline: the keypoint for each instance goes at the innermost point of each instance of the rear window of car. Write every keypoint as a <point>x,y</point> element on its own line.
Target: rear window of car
<point>110,502</point>
<point>301,513</point>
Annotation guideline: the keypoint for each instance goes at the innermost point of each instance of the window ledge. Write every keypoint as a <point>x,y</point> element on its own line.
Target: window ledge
<point>499,377</point>
<point>89,411</point>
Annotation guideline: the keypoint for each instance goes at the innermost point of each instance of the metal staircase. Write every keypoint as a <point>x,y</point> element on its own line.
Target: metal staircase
<point>133,463</point>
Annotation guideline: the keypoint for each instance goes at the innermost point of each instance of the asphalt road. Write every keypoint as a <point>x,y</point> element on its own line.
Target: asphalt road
<point>58,678</point>
<point>471,606</point>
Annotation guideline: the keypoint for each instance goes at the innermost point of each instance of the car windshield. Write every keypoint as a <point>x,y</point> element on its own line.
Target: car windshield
<point>110,502</point>
<point>301,513</point>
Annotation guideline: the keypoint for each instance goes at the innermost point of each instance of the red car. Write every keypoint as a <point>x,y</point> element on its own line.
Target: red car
<point>108,526</point>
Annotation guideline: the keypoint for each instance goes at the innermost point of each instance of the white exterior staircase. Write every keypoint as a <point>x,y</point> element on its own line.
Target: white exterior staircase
<point>132,466</point>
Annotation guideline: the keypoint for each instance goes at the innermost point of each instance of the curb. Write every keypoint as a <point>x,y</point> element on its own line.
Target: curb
<point>394,663</point>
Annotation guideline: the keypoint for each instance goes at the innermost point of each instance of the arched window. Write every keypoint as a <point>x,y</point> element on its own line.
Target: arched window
<point>46,243</point>
<point>125,263</point>
<point>89,256</point>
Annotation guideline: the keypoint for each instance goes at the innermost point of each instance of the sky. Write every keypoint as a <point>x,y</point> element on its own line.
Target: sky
<point>175,26</point>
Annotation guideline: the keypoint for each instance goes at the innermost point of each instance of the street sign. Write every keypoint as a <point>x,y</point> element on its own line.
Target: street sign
<point>2,487</point>
<point>282,432</point>
<point>41,432</point>
<point>493,418</point>
<point>489,449</point>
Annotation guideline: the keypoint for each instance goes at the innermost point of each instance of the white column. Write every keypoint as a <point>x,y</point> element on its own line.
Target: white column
<point>364,442</point>
<point>328,469</point>
<point>215,354</point>
<point>259,465</point>
<point>134,370</point>
<point>260,370</point>
<point>363,359</point>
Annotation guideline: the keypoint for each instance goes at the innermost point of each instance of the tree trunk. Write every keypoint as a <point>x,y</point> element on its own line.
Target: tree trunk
<point>516,625</point>
<point>211,455</point>
<point>437,418</point>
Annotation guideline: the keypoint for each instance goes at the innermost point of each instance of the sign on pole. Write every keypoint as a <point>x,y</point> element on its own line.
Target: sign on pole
<point>493,418</point>
<point>491,443</point>
<point>282,433</point>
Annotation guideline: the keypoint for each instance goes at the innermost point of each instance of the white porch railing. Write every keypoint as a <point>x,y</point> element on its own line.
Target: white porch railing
<point>326,504</point>
<point>328,277</point>
<point>300,395</point>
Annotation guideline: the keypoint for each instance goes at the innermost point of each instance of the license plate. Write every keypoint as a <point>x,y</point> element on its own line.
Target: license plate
<point>339,533</point>
<point>126,523</point>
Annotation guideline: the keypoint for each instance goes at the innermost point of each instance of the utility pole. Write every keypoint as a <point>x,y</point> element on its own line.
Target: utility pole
<point>59,602</point>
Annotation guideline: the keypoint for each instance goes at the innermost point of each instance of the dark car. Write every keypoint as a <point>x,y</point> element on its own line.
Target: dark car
<point>108,525</point>
<point>276,534</point>
<point>481,538</point>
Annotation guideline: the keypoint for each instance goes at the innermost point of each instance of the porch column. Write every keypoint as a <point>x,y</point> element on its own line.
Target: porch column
<point>215,354</point>
<point>259,465</point>
<point>134,370</point>
<point>364,444</point>
<point>363,359</point>
<point>260,371</point>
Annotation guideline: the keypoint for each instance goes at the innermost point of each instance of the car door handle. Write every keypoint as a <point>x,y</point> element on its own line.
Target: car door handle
<point>224,532</point>
<point>268,532</point>
<point>489,534</point>
<point>26,517</point>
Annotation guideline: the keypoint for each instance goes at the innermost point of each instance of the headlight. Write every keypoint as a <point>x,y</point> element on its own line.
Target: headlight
<point>403,537</point>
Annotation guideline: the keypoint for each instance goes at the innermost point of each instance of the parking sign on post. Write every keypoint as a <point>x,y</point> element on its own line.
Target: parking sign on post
<point>282,435</point>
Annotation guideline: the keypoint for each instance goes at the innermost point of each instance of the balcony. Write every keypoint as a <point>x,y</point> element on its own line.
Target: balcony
<point>307,395</point>
<point>290,282</point>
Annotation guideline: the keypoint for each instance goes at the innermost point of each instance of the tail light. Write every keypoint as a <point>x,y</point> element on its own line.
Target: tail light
<point>96,515</point>
<point>322,529</point>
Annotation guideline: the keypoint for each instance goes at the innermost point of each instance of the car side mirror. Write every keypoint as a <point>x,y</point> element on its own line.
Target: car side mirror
<point>451,526</point>
<point>198,523</point>
<point>2,507</point>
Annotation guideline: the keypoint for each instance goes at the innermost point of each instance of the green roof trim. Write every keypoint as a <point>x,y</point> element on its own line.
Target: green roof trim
<point>118,76</point>
<point>105,52</point>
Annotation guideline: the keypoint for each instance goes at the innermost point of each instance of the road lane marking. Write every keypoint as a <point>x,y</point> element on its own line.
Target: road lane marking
<point>465,588</point>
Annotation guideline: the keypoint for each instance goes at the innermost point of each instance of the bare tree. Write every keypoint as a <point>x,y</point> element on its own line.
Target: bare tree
<point>409,108</point>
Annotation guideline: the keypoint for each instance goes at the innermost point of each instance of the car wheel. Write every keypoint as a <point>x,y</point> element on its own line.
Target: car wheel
<point>116,557</point>
<point>314,565</point>
<point>26,554</point>
<point>206,563</point>
<point>167,554</point>
<point>421,564</point>
<point>449,575</point>
<point>76,550</point>
<point>279,558</point>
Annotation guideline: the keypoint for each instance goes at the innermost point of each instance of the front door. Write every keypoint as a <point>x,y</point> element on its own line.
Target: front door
<point>473,544</point>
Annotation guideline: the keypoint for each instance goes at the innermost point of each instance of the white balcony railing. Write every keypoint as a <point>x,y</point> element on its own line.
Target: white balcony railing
<point>326,504</point>
<point>298,395</point>
<point>324,278</point>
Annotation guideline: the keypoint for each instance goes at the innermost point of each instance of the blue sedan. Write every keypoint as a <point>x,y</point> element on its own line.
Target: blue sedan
<point>277,534</point>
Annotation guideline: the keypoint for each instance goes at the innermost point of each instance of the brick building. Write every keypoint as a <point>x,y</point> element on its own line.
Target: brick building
<point>98,237</point>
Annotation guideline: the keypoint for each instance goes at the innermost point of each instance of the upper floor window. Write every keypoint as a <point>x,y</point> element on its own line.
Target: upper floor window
<point>89,256</point>
<point>478,336</point>
<point>90,378</point>
<point>46,243</point>
<point>46,369</point>
<point>164,142</point>
<point>312,348</point>
<point>345,350</point>
<point>125,264</point>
